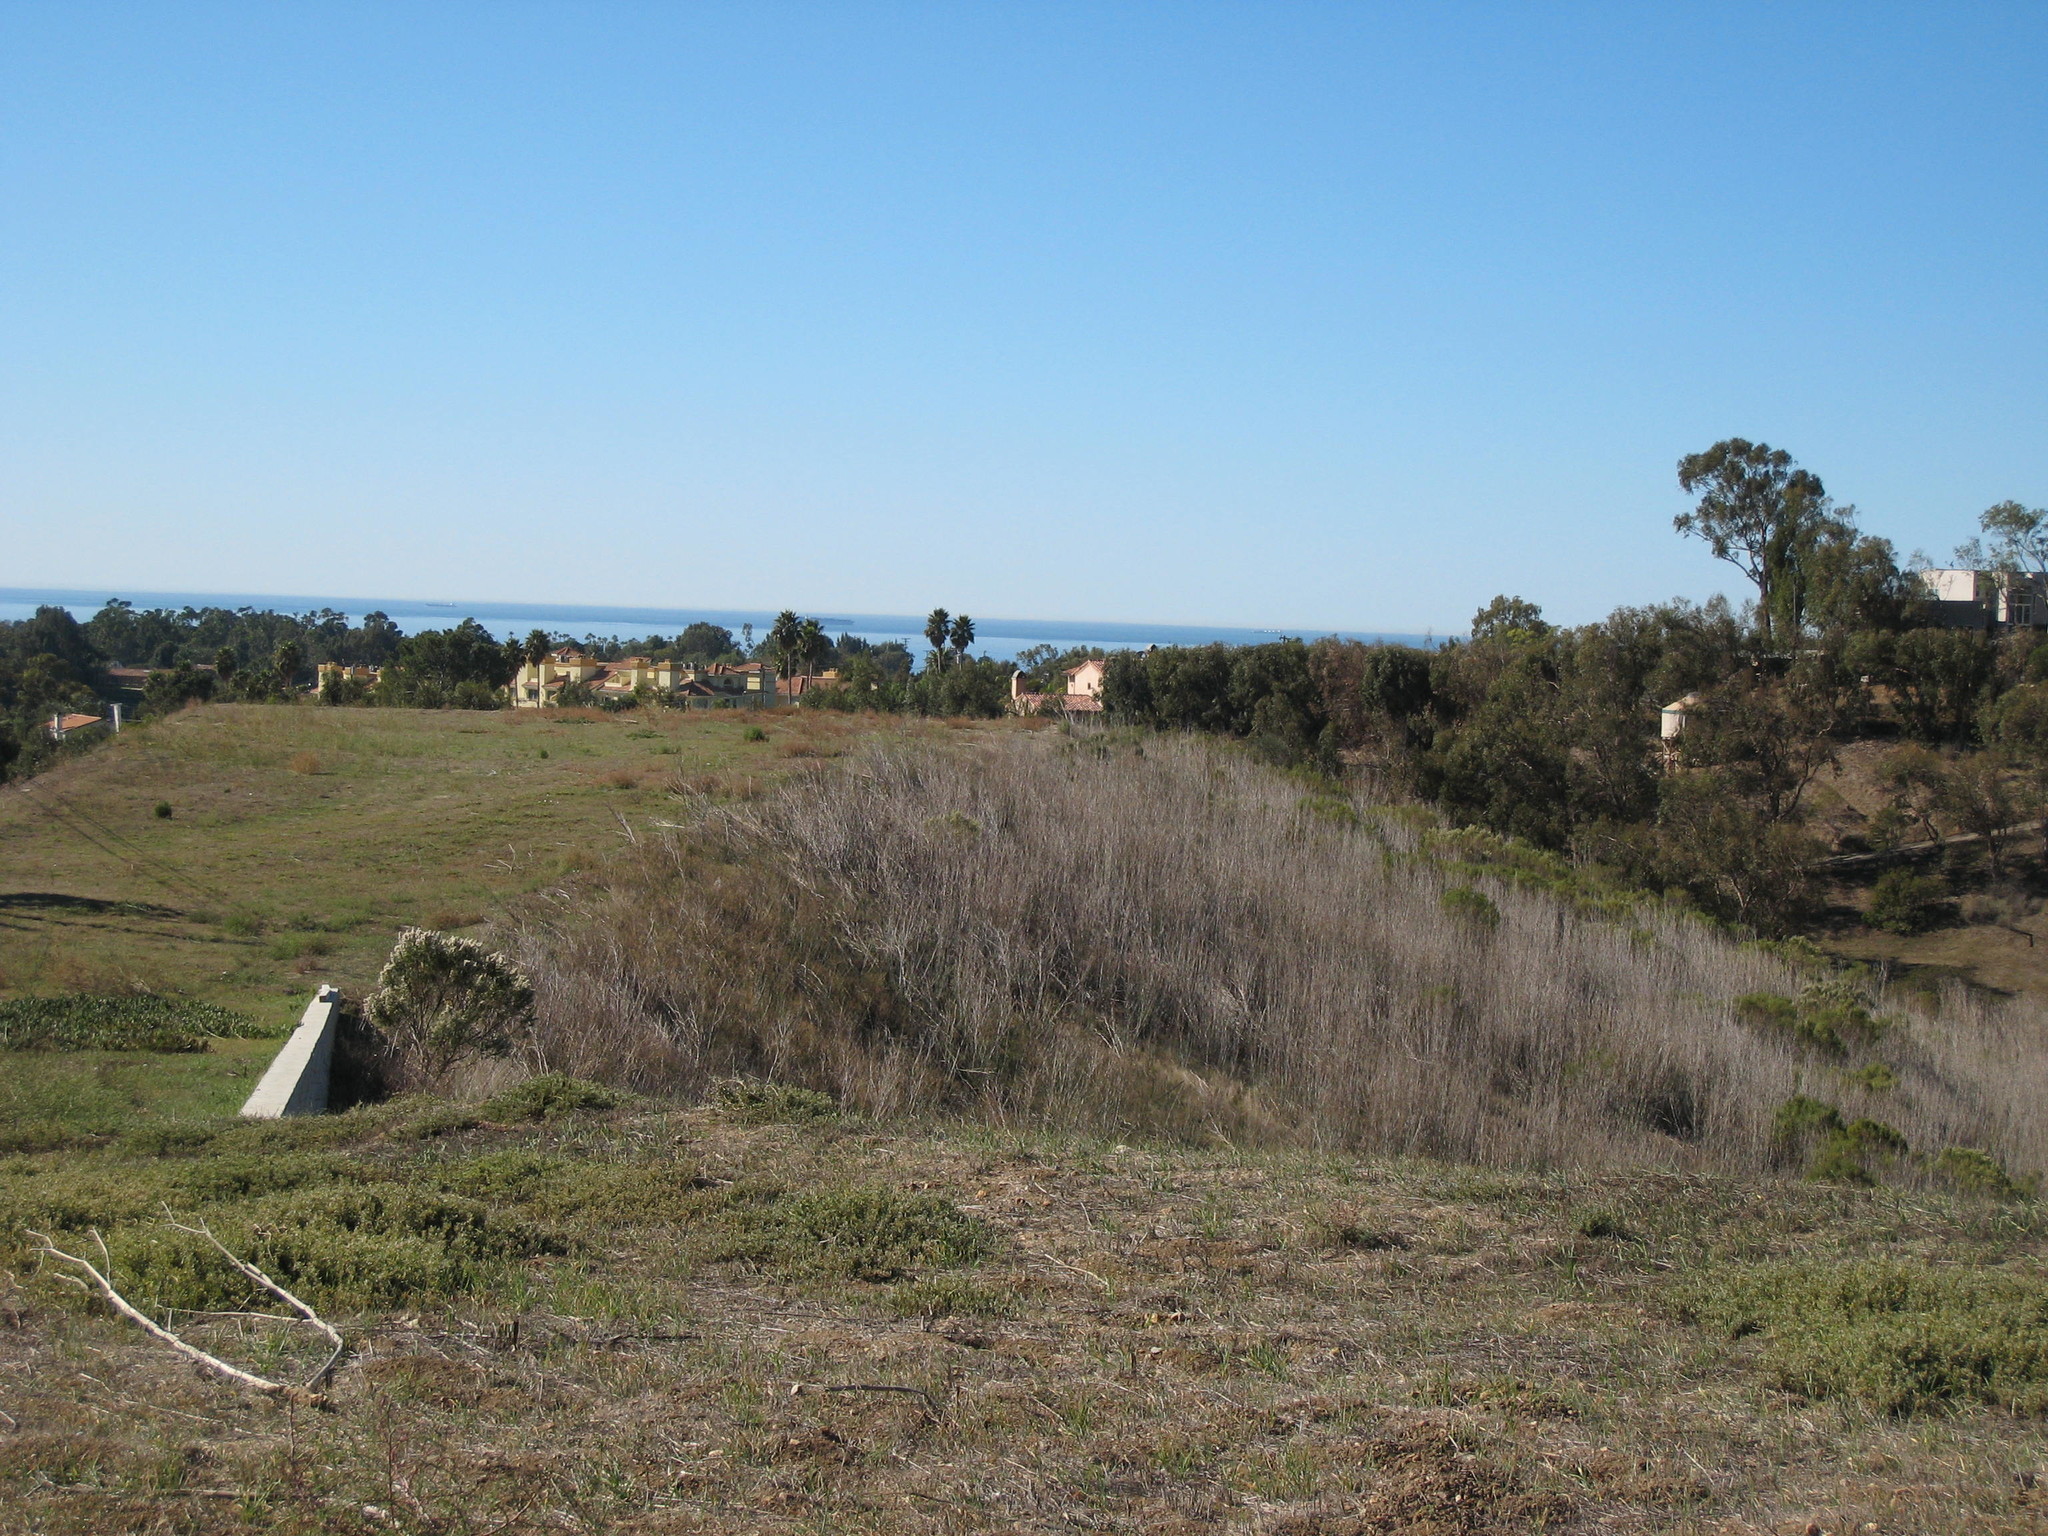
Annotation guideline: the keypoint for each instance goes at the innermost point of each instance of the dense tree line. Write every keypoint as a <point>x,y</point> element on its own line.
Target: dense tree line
<point>1552,735</point>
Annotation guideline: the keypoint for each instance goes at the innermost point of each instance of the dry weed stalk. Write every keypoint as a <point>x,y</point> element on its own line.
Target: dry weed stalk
<point>305,1396</point>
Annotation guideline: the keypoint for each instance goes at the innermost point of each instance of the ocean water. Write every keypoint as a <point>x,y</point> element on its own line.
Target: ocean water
<point>998,638</point>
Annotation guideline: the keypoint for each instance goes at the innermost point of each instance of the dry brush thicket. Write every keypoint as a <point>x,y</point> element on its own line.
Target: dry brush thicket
<point>1165,938</point>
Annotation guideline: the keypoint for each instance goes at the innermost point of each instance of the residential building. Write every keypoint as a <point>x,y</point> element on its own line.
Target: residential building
<point>61,726</point>
<point>1967,599</point>
<point>539,685</point>
<point>1083,695</point>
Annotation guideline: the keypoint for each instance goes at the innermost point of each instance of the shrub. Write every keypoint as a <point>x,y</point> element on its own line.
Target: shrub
<point>753,733</point>
<point>163,810</point>
<point>757,1103</point>
<point>549,1095</point>
<point>1830,1015</point>
<point>305,762</point>
<point>1800,1118</point>
<point>861,1232</point>
<point>1977,1172</point>
<point>1767,1010</point>
<point>1464,904</point>
<point>1811,1132</point>
<point>1903,902</point>
<point>1605,1224</point>
<point>1834,1014</point>
<point>1845,1157</point>
<point>1899,1337</point>
<point>441,998</point>
<point>351,1247</point>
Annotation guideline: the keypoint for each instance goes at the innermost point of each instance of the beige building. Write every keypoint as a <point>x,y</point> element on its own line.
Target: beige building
<point>1966,599</point>
<point>539,685</point>
<point>1082,697</point>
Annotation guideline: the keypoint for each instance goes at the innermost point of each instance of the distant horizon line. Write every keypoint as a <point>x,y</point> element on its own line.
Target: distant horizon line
<point>615,614</point>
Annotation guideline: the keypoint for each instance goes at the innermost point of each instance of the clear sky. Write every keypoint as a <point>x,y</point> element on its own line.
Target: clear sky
<point>1281,315</point>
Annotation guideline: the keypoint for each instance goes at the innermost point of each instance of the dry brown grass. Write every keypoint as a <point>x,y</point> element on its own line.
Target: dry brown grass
<point>1165,937</point>
<point>1162,1341</point>
<point>305,762</point>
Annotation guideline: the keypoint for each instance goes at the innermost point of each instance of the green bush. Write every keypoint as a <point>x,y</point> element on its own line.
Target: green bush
<point>441,998</point>
<point>1846,1156</point>
<point>1605,1224</point>
<point>1464,904</point>
<point>549,1095</point>
<point>1768,1010</point>
<point>1903,902</point>
<point>861,1233</point>
<point>757,1103</point>
<point>1899,1337</point>
<point>141,1022</point>
<point>1830,1015</point>
<point>1977,1172</point>
<point>1811,1133</point>
<point>337,1246</point>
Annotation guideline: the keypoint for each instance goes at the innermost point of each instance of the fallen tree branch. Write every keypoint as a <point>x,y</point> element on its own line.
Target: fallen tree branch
<point>319,1377</point>
<point>302,1396</point>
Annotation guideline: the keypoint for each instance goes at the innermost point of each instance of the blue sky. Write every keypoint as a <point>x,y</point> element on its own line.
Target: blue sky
<point>1281,315</point>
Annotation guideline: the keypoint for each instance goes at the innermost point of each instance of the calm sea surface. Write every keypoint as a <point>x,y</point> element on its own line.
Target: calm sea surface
<point>1000,638</point>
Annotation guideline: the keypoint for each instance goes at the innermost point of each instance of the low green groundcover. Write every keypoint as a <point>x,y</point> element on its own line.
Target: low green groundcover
<point>1900,1337</point>
<point>136,1022</point>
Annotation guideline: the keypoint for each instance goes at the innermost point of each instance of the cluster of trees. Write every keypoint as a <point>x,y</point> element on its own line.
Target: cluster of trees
<point>1552,735</point>
<point>700,645</point>
<point>48,666</point>
<point>53,664</point>
<point>125,635</point>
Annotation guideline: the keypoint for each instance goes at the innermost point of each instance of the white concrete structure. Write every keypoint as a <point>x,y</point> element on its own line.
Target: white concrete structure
<point>296,1083</point>
<point>1672,724</point>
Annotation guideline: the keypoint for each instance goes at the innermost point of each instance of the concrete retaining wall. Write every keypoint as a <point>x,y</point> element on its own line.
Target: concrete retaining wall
<point>296,1083</point>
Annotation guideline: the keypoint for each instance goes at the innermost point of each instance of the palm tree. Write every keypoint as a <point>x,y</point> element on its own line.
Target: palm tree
<point>936,630</point>
<point>962,636</point>
<point>785,637</point>
<point>810,644</point>
<point>537,647</point>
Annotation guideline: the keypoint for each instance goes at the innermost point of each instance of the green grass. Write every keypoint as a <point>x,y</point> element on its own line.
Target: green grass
<point>266,881</point>
<point>52,1100</point>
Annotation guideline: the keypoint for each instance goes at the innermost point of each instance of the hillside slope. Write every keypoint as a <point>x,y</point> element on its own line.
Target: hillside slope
<point>1110,933</point>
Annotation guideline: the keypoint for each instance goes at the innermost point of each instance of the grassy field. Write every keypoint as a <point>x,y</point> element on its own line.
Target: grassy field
<point>299,840</point>
<point>758,1317</point>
